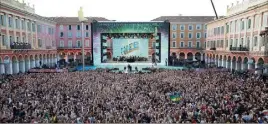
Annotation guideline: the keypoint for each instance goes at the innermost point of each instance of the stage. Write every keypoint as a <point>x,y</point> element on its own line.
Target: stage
<point>121,66</point>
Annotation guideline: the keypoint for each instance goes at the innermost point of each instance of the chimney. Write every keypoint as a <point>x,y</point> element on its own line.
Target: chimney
<point>237,2</point>
<point>227,6</point>
<point>232,4</point>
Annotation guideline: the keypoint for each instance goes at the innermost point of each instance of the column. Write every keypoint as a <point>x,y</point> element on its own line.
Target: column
<point>9,68</point>
<point>36,38</point>
<point>219,62</point>
<point>66,58</point>
<point>22,66</point>
<point>14,29</point>
<point>37,63</point>
<point>243,66</point>
<point>238,66</point>
<point>193,57</point>
<point>257,71</point>
<point>201,57</point>
<point>2,68</point>
<point>27,65</point>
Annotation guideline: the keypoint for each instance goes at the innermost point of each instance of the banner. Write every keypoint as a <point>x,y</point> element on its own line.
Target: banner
<point>48,70</point>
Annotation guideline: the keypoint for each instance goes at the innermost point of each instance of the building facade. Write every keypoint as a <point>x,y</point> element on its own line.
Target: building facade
<point>69,38</point>
<point>234,41</point>
<point>187,35</point>
<point>27,39</point>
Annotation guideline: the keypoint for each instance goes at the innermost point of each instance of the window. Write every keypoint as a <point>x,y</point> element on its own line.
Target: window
<point>70,27</point>
<point>87,27</point>
<point>38,28</point>
<point>198,44</point>
<point>242,25</point>
<point>70,44</point>
<point>205,44</point>
<point>78,44</point>
<point>28,26</point>
<point>231,42</point>
<point>182,35</point>
<point>69,34</point>
<point>174,27</point>
<point>190,27</point>
<point>23,39</point>
<point>87,43</point>
<point>61,34</point>
<point>235,44</point>
<point>39,43</point>
<point>22,24</point>
<point>219,30</point>
<point>16,24</point>
<point>3,20</point>
<point>226,43</point>
<point>182,27</point>
<point>255,41</point>
<point>174,44</point>
<point>182,44</point>
<point>190,35</point>
<point>153,45</point>
<point>174,35</point>
<point>17,39</point>
<point>222,44</point>
<point>87,34</point>
<point>227,28</point>
<point>78,27</point>
<point>205,35</point>
<point>61,27</point>
<point>249,23</point>
<point>61,43</point>
<point>198,35</point>
<point>190,44</point>
<point>78,34</point>
<point>242,42</point>
<point>222,30</point>
<point>198,27</point>
<point>33,27</point>
<point>4,40</point>
<point>10,22</point>
<point>248,42</point>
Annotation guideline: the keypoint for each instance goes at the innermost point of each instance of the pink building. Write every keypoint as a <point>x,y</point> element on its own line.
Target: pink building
<point>23,45</point>
<point>68,37</point>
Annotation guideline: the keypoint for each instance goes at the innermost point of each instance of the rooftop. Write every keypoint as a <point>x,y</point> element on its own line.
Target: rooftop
<point>75,19</point>
<point>185,18</point>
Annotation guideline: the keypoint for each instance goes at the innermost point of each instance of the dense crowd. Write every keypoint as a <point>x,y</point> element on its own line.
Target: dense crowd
<point>101,97</point>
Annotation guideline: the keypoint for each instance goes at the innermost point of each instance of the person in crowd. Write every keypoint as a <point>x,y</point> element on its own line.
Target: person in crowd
<point>208,96</point>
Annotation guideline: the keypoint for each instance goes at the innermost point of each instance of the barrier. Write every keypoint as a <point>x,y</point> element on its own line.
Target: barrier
<point>48,70</point>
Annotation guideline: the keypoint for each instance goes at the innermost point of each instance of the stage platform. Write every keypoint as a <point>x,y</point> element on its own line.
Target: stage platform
<point>121,66</point>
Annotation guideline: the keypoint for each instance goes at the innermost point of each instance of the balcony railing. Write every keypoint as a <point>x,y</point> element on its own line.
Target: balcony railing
<point>238,48</point>
<point>20,46</point>
<point>197,48</point>
<point>68,47</point>
<point>213,48</point>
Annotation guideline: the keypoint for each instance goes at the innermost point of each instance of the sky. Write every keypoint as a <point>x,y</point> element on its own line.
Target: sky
<point>129,10</point>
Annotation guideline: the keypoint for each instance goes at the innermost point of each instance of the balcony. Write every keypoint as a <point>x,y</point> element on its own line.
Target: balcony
<point>196,48</point>
<point>68,47</point>
<point>20,46</point>
<point>238,48</point>
<point>213,48</point>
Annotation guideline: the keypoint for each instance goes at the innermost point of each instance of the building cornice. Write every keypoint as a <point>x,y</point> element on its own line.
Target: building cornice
<point>33,15</point>
<point>240,13</point>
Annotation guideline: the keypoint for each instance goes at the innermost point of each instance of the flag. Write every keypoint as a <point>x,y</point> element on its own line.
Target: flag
<point>175,98</point>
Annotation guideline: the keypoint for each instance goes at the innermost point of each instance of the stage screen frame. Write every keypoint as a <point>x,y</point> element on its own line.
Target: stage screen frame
<point>98,28</point>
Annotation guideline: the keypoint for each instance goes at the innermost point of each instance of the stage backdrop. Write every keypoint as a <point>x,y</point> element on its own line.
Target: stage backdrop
<point>129,27</point>
<point>130,47</point>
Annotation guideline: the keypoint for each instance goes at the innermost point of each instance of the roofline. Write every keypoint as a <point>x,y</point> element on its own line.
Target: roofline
<point>129,21</point>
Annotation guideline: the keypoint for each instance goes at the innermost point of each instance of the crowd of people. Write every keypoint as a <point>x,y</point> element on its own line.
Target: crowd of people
<point>130,58</point>
<point>208,96</point>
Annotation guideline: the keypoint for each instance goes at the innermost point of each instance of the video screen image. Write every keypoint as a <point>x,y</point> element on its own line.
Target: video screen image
<point>128,42</point>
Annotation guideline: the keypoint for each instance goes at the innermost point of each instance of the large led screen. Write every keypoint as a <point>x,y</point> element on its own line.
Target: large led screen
<point>114,41</point>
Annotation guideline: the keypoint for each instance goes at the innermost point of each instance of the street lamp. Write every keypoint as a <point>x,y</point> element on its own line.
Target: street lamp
<point>82,19</point>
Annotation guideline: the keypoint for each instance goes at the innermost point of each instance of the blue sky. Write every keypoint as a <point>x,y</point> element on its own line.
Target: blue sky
<point>130,10</point>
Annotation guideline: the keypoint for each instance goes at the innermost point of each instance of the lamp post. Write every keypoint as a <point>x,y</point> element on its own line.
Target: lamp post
<point>82,19</point>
